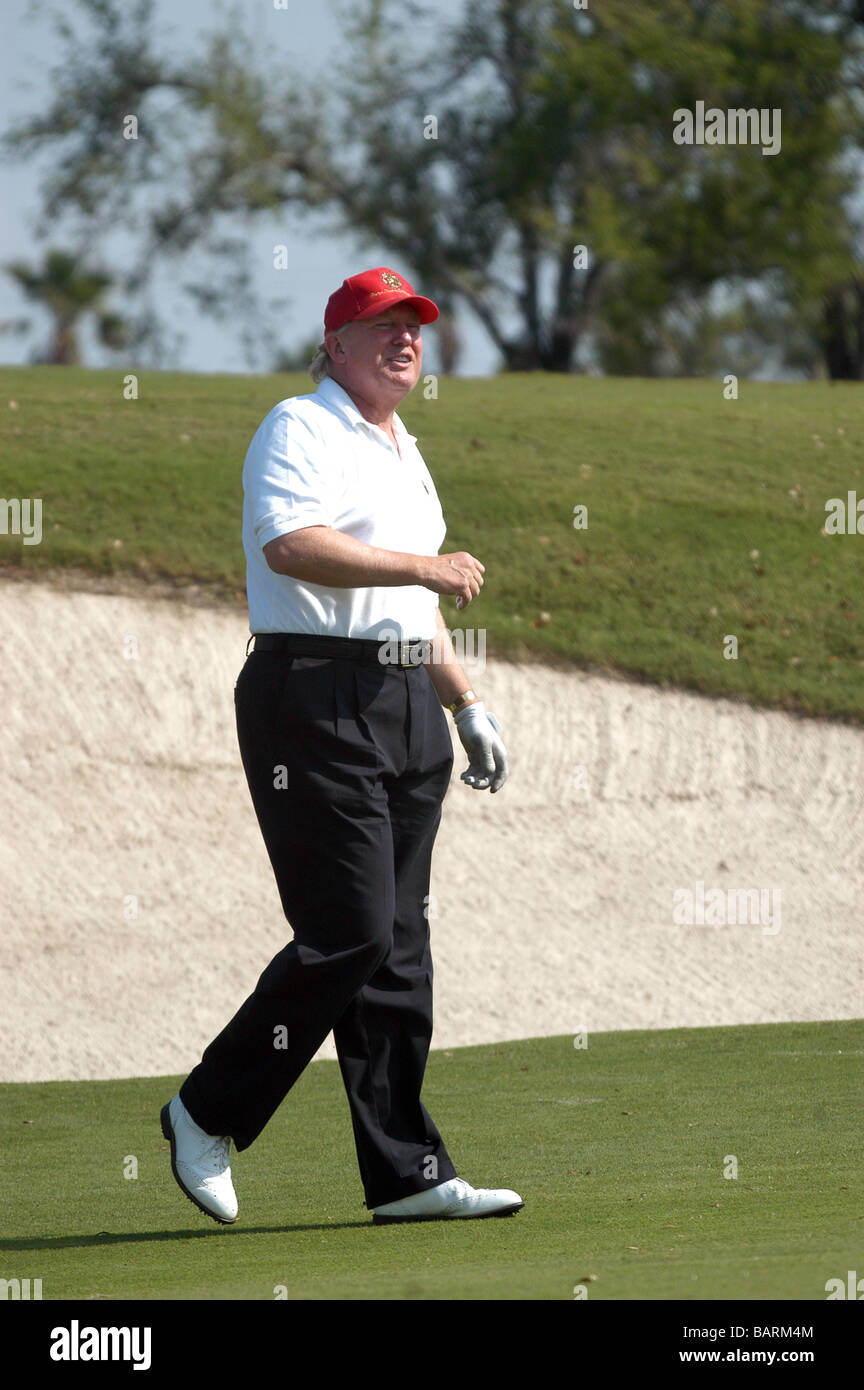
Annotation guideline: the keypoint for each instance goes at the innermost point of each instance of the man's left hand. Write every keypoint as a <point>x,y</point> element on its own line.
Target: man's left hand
<point>487,756</point>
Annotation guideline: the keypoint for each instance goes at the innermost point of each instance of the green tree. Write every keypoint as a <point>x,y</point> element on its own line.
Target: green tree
<point>297,359</point>
<point>482,154</point>
<point>69,291</point>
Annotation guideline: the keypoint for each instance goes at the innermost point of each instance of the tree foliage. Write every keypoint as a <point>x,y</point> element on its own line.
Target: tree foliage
<point>69,291</point>
<point>483,153</point>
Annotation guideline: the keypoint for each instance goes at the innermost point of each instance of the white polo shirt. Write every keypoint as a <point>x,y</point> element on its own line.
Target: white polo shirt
<point>315,461</point>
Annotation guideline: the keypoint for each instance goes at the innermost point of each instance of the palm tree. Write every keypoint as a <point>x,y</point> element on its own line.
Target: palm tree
<point>69,290</point>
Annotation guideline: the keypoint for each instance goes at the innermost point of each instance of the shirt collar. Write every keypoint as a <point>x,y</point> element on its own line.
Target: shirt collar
<point>336,398</point>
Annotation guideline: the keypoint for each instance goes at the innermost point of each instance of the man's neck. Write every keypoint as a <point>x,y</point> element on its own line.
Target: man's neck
<point>378,413</point>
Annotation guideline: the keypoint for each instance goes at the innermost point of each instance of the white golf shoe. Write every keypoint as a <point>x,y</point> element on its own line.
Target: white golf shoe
<point>450,1201</point>
<point>201,1163</point>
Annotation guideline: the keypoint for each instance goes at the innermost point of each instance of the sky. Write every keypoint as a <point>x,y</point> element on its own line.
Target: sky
<point>308,34</point>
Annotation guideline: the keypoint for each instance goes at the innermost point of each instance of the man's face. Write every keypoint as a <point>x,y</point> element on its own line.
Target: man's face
<point>380,358</point>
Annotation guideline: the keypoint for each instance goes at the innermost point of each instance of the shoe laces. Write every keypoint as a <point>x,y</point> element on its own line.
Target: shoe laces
<point>217,1156</point>
<point>464,1188</point>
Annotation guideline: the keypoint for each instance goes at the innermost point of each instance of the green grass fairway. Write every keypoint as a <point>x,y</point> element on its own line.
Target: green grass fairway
<point>704,514</point>
<point>618,1149</point>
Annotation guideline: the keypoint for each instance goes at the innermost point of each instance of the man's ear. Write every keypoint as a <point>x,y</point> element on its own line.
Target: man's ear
<point>335,343</point>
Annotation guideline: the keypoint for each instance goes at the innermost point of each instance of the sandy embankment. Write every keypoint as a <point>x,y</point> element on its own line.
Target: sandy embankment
<point>553,903</point>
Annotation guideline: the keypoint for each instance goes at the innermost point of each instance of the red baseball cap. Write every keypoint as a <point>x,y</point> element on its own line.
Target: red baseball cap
<point>365,295</point>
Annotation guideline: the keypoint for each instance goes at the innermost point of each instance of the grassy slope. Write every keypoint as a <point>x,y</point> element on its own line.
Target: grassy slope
<point>681,487</point>
<point>618,1150</point>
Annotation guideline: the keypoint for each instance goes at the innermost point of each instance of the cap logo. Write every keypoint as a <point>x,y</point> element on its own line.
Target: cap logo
<point>390,279</point>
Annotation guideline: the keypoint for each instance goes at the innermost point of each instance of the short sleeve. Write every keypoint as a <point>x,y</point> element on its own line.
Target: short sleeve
<point>284,482</point>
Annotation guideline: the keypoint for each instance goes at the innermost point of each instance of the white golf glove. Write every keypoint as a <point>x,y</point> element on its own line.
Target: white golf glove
<point>487,756</point>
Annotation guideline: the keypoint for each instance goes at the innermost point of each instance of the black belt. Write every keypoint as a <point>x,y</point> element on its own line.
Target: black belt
<point>385,652</point>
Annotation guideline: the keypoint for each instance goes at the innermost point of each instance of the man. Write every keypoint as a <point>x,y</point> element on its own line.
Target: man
<point>348,756</point>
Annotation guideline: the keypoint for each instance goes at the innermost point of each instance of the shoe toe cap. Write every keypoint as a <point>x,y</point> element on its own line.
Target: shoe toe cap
<point>219,1198</point>
<point>506,1194</point>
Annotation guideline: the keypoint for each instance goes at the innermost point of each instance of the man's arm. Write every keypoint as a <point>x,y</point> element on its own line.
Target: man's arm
<point>324,556</point>
<point>320,555</point>
<point>480,733</point>
<point>445,673</point>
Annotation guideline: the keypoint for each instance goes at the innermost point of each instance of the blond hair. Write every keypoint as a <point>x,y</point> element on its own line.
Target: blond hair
<point>319,367</point>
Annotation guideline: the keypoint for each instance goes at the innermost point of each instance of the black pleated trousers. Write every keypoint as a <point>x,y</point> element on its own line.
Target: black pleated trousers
<point>347,763</point>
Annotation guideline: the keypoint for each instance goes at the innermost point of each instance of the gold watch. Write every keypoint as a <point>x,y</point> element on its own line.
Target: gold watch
<point>464,699</point>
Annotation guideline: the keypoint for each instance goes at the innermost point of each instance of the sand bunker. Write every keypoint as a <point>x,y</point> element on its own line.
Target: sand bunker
<point>139,906</point>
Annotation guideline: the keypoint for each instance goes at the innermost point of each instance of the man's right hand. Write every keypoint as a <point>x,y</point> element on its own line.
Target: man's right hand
<point>458,574</point>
